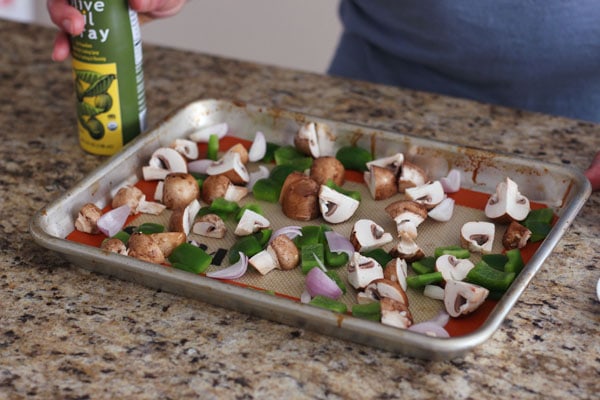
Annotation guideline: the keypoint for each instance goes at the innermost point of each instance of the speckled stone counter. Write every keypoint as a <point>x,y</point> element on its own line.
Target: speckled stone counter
<point>68,333</point>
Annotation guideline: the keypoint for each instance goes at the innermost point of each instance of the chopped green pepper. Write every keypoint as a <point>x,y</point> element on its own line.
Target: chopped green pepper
<point>425,265</point>
<point>223,208</point>
<point>122,236</point>
<point>190,258</point>
<point>541,215</point>
<point>149,228</point>
<point>379,255</point>
<point>350,193</point>
<point>263,236</point>
<point>490,278</point>
<point>456,251</point>
<point>267,189</point>
<point>497,261</point>
<point>212,152</point>
<point>336,278</point>
<point>311,234</point>
<point>289,155</point>
<point>310,256</point>
<point>249,245</point>
<point>335,260</point>
<point>329,304</point>
<point>539,230</point>
<point>354,157</point>
<point>514,261</point>
<point>280,172</point>
<point>420,281</point>
<point>270,153</point>
<point>370,311</point>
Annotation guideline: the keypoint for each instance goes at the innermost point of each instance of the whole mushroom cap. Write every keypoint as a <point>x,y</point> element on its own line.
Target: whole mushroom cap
<point>213,187</point>
<point>179,190</point>
<point>327,168</point>
<point>300,201</point>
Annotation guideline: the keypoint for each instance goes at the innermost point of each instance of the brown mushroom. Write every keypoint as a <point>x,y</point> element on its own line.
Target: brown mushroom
<point>179,190</point>
<point>395,313</point>
<point>182,219</point>
<point>363,270</point>
<point>478,236</point>
<point>210,225</point>
<point>367,235</point>
<point>114,245</point>
<point>241,150</point>
<point>383,288</point>
<point>381,182</point>
<point>143,247</point>
<point>87,218</point>
<point>430,194</point>
<point>287,253</point>
<point>327,168</point>
<point>213,187</point>
<point>167,241</point>
<point>300,198</point>
<point>516,236</point>
<point>408,215</point>
<point>462,298</point>
<point>136,200</point>
<point>411,175</point>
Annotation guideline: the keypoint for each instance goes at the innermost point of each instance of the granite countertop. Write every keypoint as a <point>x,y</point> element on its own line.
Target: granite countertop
<point>69,333</point>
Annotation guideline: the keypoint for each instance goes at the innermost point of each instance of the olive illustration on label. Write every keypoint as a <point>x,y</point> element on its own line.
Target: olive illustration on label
<point>93,100</point>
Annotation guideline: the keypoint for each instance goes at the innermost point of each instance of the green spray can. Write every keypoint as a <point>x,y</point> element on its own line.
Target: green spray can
<point>108,74</point>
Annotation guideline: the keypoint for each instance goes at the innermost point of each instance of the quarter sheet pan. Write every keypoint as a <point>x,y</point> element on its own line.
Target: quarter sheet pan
<point>563,189</point>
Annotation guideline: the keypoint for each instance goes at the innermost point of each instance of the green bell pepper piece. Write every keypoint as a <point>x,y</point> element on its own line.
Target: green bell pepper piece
<point>425,265</point>
<point>310,255</point>
<point>150,227</point>
<point>490,278</point>
<point>379,255</point>
<point>190,258</point>
<point>249,245</point>
<point>370,311</point>
<point>354,157</point>
<point>267,189</point>
<point>456,251</point>
<point>420,281</point>
<point>496,261</point>
<point>514,261</point>
<point>212,152</point>
<point>329,304</point>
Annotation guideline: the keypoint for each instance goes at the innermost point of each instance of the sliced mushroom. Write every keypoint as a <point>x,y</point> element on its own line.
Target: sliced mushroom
<point>213,187</point>
<point>241,150</point>
<point>136,200</point>
<point>367,235</point>
<point>507,203</point>
<point>411,175</point>
<point>382,288</point>
<point>408,215</point>
<point>381,181</point>
<point>264,261</point>
<point>210,225</point>
<point>430,194</point>
<point>307,141</point>
<point>164,161</point>
<point>396,270</point>
<point>515,236</point>
<point>251,222</point>
<point>168,241</point>
<point>336,207</point>
<point>393,163</point>
<point>182,219</point>
<point>87,218</point>
<point>186,148</point>
<point>461,298</point>
<point>230,165</point>
<point>452,268</point>
<point>300,197</point>
<point>478,236</point>
<point>326,139</point>
<point>327,168</point>
<point>235,193</point>
<point>179,190</point>
<point>363,270</point>
<point>114,245</point>
<point>395,313</point>
<point>407,249</point>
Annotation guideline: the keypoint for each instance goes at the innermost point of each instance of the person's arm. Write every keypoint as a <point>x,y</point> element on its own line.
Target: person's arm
<point>593,172</point>
<point>70,21</point>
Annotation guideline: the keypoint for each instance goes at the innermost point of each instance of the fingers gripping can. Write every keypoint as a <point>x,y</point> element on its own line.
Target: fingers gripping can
<point>108,75</point>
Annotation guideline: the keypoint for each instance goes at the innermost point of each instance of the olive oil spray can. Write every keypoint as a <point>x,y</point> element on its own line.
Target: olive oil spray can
<point>108,74</point>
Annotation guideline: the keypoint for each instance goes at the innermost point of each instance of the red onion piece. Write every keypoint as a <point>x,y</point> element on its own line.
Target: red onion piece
<point>112,221</point>
<point>338,243</point>
<point>305,297</point>
<point>441,319</point>
<point>429,328</point>
<point>234,271</point>
<point>258,149</point>
<point>290,231</point>
<point>318,283</point>
<point>199,166</point>
<point>451,183</point>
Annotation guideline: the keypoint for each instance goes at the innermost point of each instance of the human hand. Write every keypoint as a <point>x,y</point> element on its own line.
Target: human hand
<point>593,172</point>
<point>70,21</point>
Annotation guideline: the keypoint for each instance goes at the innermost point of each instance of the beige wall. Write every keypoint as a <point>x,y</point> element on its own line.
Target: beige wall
<point>289,33</point>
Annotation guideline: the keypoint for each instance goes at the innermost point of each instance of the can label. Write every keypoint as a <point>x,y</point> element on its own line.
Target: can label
<point>108,75</point>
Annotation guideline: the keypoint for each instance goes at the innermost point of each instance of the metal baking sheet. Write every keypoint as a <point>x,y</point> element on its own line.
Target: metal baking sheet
<point>562,188</point>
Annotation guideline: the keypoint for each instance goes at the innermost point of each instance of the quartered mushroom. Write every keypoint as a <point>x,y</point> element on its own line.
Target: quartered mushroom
<point>478,236</point>
<point>164,161</point>
<point>336,207</point>
<point>136,200</point>
<point>393,163</point>
<point>507,203</point>
<point>411,175</point>
<point>315,139</point>
<point>210,225</point>
<point>516,236</point>
<point>281,253</point>
<point>251,222</point>
<point>381,181</point>
<point>182,219</point>
<point>186,148</point>
<point>408,215</point>
<point>327,168</point>
<point>241,150</point>
<point>395,313</point>
<point>363,270</point>
<point>231,166</point>
<point>114,245</point>
<point>430,194</point>
<point>396,270</point>
<point>179,189</point>
<point>87,218</point>
<point>154,248</point>
<point>382,288</point>
<point>453,268</point>
<point>300,197</point>
<point>216,186</point>
<point>461,298</point>
<point>407,249</point>
<point>368,235</point>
